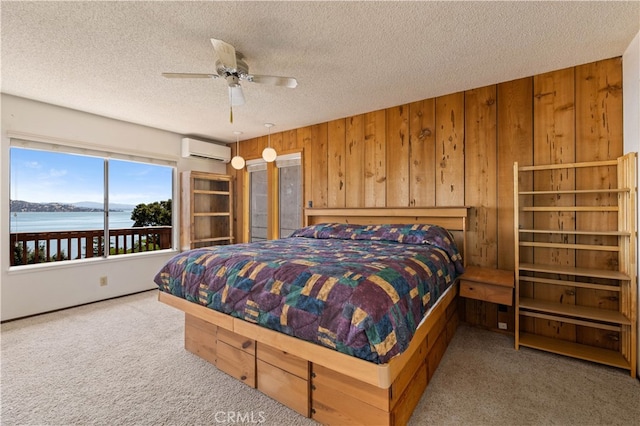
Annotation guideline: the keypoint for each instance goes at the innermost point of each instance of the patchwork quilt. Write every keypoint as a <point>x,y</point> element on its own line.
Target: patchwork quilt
<point>361,290</point>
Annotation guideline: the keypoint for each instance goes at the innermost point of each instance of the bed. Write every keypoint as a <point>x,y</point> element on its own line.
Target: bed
<point>266,313</point>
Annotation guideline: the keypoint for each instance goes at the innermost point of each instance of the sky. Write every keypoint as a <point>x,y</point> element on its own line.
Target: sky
<point>44,177</point>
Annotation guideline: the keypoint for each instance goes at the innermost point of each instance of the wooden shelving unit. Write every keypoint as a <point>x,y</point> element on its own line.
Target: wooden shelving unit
<point>206,206</point>
<point>576,254</point>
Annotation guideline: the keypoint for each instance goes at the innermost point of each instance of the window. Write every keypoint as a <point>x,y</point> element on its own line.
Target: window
<point>258,199</point>
<point>65,205</point>
<point>276,213</point>
<point>289,193</point>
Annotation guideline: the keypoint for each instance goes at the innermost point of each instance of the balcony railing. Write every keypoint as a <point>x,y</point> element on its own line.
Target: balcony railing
<point>41,247</point>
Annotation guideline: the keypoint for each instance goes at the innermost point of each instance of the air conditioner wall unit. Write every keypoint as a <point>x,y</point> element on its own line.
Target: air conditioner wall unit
<point>202,149</point>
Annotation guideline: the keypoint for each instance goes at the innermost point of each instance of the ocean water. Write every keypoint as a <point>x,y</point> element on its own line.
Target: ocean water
<point>70,221</point>
<point>67,221</point>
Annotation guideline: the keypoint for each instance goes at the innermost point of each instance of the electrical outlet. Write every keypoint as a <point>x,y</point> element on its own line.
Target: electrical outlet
<point>103,281</point>
<point>502,325</point>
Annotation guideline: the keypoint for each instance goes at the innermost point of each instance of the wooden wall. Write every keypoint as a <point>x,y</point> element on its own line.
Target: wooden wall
<point>459,149</point>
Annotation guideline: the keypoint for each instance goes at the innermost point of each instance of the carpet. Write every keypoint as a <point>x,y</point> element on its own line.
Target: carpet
<point>122,362</point>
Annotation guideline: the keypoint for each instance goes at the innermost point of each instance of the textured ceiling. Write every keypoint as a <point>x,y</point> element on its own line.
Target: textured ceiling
<point>349,57</point>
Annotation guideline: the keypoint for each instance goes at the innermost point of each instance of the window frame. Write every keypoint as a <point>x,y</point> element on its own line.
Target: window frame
<point>19,140</point>
<point>273,195</point>
<point>255,166</point>
<point>284,161</point>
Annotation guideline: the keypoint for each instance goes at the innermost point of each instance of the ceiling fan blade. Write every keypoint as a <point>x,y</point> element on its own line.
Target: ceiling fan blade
<point>273,80</point>
<point>236,96</point>
<point>226,53</point>
<point>188,75</point>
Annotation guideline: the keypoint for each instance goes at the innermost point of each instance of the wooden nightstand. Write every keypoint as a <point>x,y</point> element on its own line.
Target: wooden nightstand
<point>489,285</point>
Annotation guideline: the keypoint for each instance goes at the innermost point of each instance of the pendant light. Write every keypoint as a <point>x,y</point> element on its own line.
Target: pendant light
<point>269,154</point>
<point>237,162</point>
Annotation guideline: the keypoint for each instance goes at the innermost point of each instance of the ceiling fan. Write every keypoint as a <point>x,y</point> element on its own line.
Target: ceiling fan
<point>231,66</point>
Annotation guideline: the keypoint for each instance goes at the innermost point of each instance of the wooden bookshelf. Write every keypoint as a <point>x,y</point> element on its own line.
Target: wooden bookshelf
<point>206,210</point>
<point>575,257</point>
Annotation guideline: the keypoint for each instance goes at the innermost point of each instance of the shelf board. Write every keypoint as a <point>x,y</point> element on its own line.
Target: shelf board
<point>570,209</point>
<point>576,191</point>
<point>209,192</point>
<point>569,270</point>
<point>212,239</point>
<point>575,232</point>
<point>568,320</point>
<point>585,312</point>
<point>595,247</point>
<point>576,350</point>
<point>601,163</point>
<point>578,284</point>
<point>211,214</point>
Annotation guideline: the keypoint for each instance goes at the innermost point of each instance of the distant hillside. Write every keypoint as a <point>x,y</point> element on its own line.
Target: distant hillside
<point>114,206</point>
<point>26,206</point>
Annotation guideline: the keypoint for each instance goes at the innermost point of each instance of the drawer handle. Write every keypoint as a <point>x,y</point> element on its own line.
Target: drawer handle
<point>243,378</point>
<point>313,374</point>
<point>246,344</point>
<point>313,411</point>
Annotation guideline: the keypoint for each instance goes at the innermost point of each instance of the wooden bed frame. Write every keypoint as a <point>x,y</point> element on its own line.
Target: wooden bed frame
<point>318,382</point>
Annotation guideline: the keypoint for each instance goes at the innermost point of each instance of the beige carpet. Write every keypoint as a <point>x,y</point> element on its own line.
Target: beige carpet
<point>122,362</point>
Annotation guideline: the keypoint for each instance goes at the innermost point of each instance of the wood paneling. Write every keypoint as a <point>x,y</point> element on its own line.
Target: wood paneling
<point>290,140</point>
<point>253,147</point>
<point>336,164</point>
<point>554,142</point>
<point>450,150</point>
<point>397,141</point>
<point>375,186</point>
<point>422,154</point>
<point>317,146</point>
<point>480,176</point>
<point>598,97</point>
<point>276,142</point>
<point>304,140</point>
<point>459,149</point>
<point>354,161</point>
<point>515,143</point>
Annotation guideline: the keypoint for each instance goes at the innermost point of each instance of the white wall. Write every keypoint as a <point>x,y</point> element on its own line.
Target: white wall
<point>40,288</point>
<point>631,108</point>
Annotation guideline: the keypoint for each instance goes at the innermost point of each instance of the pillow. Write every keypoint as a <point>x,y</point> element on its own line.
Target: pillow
<point>405,234</point>
<point>325,231</point>
<point>419,234</point>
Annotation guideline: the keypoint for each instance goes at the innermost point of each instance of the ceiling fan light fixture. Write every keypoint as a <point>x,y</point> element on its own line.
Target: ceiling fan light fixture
<point>269,154</point>
<point>237,162</point>
<point>231,66</point>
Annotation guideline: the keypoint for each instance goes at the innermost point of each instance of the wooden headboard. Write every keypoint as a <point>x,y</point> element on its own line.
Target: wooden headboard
<point>452,218</point>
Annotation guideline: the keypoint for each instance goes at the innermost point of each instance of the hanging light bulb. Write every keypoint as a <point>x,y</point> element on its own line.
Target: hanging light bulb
<point>237,162</point>
<point>269,154</point>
